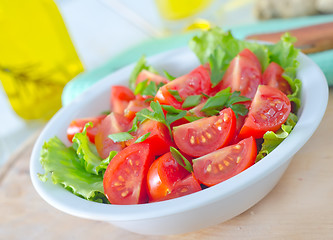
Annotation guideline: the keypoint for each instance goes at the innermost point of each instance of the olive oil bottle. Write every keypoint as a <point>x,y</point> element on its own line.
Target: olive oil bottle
<point>37,57</point>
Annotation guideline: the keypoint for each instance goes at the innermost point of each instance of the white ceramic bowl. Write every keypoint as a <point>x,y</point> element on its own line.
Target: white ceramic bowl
<point>202,209</point>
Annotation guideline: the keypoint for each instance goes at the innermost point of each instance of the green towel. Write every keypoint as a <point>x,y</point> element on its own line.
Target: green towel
<point>152,47</point>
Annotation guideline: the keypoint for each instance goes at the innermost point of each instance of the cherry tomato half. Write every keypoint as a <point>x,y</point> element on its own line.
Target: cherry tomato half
<point>225,163</point>
<point>133,107</point>
<point>184,187</point>
<point>77,126</point>
<point>269,109</point>
<point>125,177</point>
<point>207,134</point>
<point>162,175</point>
<point>273,77</point>
<point>113,123</point>
<point>159,137</point>
<point>119,98</point>
<point>151,77</point>
<point>194,83</point>
<point>243,74</point>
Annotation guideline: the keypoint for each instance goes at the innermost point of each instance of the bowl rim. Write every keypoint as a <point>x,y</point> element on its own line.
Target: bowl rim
<point>309,119</point>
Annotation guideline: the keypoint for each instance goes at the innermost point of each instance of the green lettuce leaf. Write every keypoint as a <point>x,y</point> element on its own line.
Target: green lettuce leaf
<point>273,139</point>
<point>65,168</point>
<point>285,54</point>
<point>86,151</point>
<point>216,40</point>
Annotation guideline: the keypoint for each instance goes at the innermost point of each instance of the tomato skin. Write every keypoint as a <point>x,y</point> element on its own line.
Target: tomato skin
<point>207,134</point>
<point>194,83</point>
<point>77,126</point>
<point>159,137</point>
<point>124,180</point>
<point>113,123</point>
<point>120,98</point>
<point>183,187</point>
<point>225,163</point>
<point>163,173</point>
<point>150,77</point>
<point>273,77</point>
<point>270,108</point>
<point>243,74</point>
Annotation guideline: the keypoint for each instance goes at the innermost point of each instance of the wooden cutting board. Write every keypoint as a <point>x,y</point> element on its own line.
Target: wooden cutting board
<point>299,207</point>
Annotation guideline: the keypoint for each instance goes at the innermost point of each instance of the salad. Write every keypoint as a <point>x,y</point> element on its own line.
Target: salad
<point>168,136</point>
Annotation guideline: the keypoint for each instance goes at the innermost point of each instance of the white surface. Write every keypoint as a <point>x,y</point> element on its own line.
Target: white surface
<point>197,210</point>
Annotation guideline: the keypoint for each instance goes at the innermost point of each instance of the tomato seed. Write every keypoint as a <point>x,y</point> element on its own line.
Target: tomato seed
<point>263,116</point>
<point>116,184</point>
<point>183,190</point>
<point>124,193</point>
<point>203,139</point>
<point>238,159</point>
<point>226,163</point>
<point>192,140</point>
<point>121,178</point>
<point>209,168</point>
<point>237,147</point>
<point>220,166</point>
<point>208,135</point>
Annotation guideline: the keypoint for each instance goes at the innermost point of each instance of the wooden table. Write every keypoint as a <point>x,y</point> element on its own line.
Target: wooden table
<point>299,207</point>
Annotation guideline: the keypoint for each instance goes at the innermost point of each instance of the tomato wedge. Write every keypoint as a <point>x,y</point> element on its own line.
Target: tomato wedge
<point>183,187</point>
<point>159,137</point>
<point>273,77</point>
<point>133,107</point>
<point>77,126</point>
<point>151,77</point>
<point>243,74</point>
<point>162,175</point>
<point>207,134</point>
<point>113,123</point>
<point>269,109</point>
<point>194,83</point>
<point>124,180</point>
<point>225,163</point>
<point>120,97</point>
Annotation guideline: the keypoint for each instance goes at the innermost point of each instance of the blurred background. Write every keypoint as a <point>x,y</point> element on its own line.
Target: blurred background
<point>45,44</point>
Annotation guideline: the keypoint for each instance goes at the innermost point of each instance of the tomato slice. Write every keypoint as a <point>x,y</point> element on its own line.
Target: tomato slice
<point>162,175</point>
<point>273,77</point>
<point>243,74</point>
<point>159,137</point>
<point>151,77</point>
<point>269,109</point>
<point>194,83</point>
<point>133,107</point>
<point>125,177</point>
<point>207,134</point>
<point>113,123</point>
<point>225,163</point>
<point>77,126</point>
<point>120,98</point>
<point>183,187</point>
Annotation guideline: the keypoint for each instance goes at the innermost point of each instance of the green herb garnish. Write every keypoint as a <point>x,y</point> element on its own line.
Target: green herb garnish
<point>192,101</point>
<point>181,160</point>
<point>120,137</point>
<point>175,94</point>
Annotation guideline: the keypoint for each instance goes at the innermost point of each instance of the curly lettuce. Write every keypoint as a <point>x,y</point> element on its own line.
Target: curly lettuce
<point>273,139</point>
<point>77,168</point>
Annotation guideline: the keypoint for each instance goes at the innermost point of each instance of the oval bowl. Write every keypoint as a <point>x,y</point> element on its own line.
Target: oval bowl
<point>204,208</point>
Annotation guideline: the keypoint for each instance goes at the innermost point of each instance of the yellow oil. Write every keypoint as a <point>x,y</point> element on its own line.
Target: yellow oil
<point>180,9</point>
<point>37,57</point>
